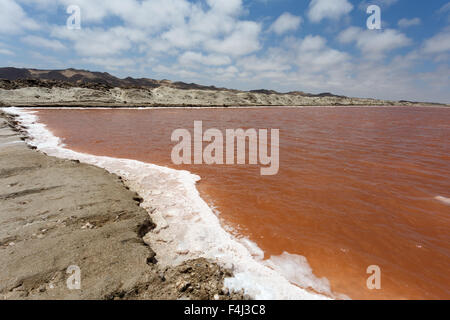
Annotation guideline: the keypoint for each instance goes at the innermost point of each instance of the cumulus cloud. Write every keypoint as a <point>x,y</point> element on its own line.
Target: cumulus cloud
<point>374,44</point>
<point>243,40</point>
<point>163,25</point>
<point>14,19</point>
<point>97,41</point>
<point>307,63</point>
<point>328,9</point>
<point>275,60</point>
<point>190,58</point>
<point>286,22</point>
<point>43,43</point>
<point>314,55</point>
<point>440,43</point>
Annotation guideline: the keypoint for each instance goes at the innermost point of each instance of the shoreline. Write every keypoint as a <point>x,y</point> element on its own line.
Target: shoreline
<point>168,107</point>
<point>171,106</point>
<point>59,213</point>
<point>199,240</point>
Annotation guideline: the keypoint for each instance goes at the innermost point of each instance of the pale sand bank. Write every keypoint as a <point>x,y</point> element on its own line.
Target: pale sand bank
<point>166,96</point>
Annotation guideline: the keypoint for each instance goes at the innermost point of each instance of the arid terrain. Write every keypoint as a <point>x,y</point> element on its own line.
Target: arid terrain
<point>60,88</point>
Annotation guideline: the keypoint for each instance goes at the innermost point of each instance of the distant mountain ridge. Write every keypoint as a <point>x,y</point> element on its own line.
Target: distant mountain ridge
<point>88,79</point>
<point>82,88</point>
<point>80,77</point>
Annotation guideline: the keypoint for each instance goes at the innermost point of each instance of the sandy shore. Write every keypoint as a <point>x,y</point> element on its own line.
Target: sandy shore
<point>57,213</point>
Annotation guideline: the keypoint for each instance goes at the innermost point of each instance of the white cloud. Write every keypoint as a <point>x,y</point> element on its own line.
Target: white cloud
<point>243,40</point>
<point>96,11</point>
<point>152,16</point>
<point>164,25</point>
<point>406,23</point>
<point>312,43</point>
<point>440,43</point>
<point>275,60</point>
<point>374,44</point>
<point>14,19</point>
<point>286,22</point>
<point>315,56</point>
<point>6,52</point>
<point>301,64</point>
<point>100,42</point>
<point>190,58</point>
<point>43,42</point>
<point>109,62</point>
<point>328,9</point>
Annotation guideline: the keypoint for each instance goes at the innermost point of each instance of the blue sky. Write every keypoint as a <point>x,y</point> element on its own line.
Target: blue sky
<point>306,45</point>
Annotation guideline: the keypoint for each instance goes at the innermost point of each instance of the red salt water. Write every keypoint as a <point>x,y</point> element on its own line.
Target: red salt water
<point>356,187</point>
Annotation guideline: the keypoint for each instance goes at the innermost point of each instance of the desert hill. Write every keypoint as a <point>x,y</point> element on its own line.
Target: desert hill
<point>82,88</point>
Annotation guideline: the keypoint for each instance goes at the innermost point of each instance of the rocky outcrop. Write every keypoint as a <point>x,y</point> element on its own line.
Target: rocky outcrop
<point>88,79</point>
<point>35,83</point>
